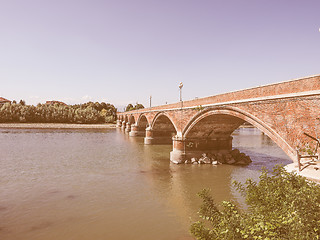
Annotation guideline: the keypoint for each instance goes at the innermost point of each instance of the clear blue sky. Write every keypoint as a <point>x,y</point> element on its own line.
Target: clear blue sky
<point>123,51</point>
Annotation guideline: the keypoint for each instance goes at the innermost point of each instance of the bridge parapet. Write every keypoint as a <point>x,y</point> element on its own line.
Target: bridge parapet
<point>291,88</point>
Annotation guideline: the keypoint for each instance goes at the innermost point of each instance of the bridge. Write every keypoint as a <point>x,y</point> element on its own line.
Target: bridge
<point>283,111</point>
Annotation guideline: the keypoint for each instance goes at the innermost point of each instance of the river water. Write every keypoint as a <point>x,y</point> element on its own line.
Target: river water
<point>101,184</point>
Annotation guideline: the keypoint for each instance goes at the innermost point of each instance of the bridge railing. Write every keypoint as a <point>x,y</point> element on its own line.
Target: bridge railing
<point>311,159</point>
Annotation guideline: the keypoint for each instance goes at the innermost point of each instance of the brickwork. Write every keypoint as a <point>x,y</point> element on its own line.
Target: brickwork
<point>283,119</point>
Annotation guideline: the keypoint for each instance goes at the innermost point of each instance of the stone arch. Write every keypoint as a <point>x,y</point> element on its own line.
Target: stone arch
<point>131,119</point>
<point>163,128</point>
<point>162,117</point>
<point>126,118</point>
<point>138,128</point>
<point>142,121</point>
<point>233,118</point>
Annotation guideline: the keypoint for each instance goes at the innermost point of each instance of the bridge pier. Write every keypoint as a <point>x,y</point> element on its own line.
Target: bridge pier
<point>156,137</point>
<point>128,127</point>
<point>123,126</point>
<point>148,140</point>
<point>184,148</point>
<point>178,153</point>
<point>136,131</point>
<point>119,123</point>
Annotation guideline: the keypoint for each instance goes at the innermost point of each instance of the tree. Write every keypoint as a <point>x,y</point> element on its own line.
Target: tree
<point>281,205</point>
<point>22,102</point>
<point>129,107</point>
<point>138,106</point>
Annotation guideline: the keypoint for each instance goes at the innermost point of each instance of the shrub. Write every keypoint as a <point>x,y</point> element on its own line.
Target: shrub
<point>281,205</point>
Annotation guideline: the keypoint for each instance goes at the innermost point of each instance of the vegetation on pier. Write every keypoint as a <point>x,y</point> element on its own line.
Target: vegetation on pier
<point>281,205</point>
<point>57,113</point>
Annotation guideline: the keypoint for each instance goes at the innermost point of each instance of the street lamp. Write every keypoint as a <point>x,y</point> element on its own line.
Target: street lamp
<point>180,87</point>
<point>150,100</point>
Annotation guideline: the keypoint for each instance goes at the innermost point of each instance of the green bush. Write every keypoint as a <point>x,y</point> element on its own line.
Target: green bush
<point>281,205</point>
<point>130,107</point>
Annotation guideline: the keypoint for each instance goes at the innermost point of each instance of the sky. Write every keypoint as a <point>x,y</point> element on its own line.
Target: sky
<point>124,51</point>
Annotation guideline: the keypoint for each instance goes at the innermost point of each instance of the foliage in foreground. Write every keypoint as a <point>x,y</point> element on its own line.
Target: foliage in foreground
<point>281,205</point>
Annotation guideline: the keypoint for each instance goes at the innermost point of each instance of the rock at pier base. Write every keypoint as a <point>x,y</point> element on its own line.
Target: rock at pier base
<point>234,157</point>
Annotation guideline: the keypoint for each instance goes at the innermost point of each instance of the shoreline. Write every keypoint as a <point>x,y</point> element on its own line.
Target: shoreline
<point>310,172</point>
<point>56,126</point>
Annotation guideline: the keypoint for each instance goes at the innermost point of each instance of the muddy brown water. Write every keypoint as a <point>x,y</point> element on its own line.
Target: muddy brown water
<point>101,184</point>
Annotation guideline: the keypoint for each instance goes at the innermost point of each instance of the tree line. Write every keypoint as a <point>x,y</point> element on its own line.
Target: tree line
<point>89,112</point>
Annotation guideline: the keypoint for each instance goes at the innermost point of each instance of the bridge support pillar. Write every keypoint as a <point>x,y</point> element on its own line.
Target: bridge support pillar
<point>155,137</point>
<point>119,123</point>
<point>123,126</point>
<point>185,149</point>
<point>136,131</point>
<point>178,153</point>
<point>148,140</point>
<point>128,127</point>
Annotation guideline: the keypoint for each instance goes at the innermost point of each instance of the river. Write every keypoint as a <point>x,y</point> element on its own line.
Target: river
<point>101,184</point>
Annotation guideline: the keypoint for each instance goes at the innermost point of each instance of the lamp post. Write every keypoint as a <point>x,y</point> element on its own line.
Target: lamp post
<point>181,106</point>
<point>180,87</point>
<point>150,100</point>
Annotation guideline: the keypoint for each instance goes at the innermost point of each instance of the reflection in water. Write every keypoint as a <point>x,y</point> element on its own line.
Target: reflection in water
<point>102,184</point>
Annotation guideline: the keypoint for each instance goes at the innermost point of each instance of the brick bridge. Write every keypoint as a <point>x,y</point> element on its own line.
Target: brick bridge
<point>283,111</point>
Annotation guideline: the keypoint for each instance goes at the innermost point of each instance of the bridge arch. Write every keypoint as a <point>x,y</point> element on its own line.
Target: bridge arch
<point>131,119</point>
<point>138,127</point>
<point>162,120</point>
<point>161,130</point>
<point>231,118</point>
<point>142,121</point>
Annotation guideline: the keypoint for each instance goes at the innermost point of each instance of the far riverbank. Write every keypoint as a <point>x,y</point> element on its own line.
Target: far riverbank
<point>56,126</point>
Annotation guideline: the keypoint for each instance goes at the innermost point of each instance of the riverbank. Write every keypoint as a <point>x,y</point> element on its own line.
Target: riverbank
<point>56,126</point>
<point>311,172</point>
